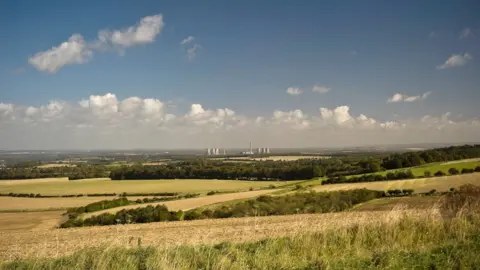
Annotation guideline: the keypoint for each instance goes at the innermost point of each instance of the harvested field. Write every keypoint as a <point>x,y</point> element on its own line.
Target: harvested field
<point>105,185</point>
<point>33,181</point>
<point>289,158</point>
<point>420,185</point>
<point>29,221</point>
<point>39,204</point>
<point>191,203</point>
<point>56,165</point>
<point>54,243</point>
<point>274,158</point>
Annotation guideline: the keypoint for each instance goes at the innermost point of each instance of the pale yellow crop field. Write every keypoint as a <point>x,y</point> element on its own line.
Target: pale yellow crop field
<point>272,158</point>
<point>131,186</point>
<point>59,242</point>
<point>56,165</point>
<point>36,204</point>
<point>29,221</point>
<point>187,204</point>
<point>419,185</point>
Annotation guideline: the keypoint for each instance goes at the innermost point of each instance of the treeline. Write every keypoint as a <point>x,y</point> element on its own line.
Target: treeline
<point>73,173</point>
<point>311,202</point>
<point>411,159</point>
<point>73,212</point>
<point>124,194</point>
<point>370,178</point>
<point>217,170</point>
<point>398,175</point>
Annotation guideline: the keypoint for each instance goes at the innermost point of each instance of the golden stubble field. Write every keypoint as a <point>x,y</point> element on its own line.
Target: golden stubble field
<point>36,204</point>
<point>105,185</point>
<point>59,242</point>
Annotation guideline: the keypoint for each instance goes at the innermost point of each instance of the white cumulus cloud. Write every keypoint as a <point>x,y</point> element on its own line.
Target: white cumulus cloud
<point>321,89</point>
<point>399,97</point>
<point>192,52</point>
<point>187,40</point>
<point>78,51</point>
<point>456,60</point>
<point>466,32</point>
<point>103,121</point>
<point>144,32</point>
<point>73,51</point>
<point>294,91</point>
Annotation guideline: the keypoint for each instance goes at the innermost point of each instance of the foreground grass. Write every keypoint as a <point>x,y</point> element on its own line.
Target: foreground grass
<point>401,243</point>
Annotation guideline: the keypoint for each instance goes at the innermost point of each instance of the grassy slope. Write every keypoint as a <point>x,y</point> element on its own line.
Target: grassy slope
<point>132,186</point>
<point>434,167</point>
<point>417,171</point>
<point>443,183</point>
<point>397,243</point>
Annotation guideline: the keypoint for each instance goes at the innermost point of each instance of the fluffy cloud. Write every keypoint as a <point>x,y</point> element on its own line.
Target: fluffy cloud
<point>187,40</point>
<point>77,51</point>
<point>73,51</point>
<point>192,52</point>
<point>320,89</point>
<point>144,32</point>
<point>295,119</point>
<point>399,97</point>
<point>104,121</point>
<point>294,91</point>
<point>456,60</point>
<point>465,33</point>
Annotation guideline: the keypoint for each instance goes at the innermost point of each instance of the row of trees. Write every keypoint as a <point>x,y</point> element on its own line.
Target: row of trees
<point>310,202</point>
<point>398,175</point>
<point>411,159</point>
<point>251,171</point>
<point>370,177</point>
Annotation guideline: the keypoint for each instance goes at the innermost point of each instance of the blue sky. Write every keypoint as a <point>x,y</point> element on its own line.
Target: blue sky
<point>250,52</point>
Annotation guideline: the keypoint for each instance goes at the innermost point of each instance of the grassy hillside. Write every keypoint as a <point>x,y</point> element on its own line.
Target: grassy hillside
<point>434,167</point>
<point>420,185</point>
<point>398,242</point>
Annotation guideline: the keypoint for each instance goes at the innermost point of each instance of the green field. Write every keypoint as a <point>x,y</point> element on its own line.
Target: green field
<point>132,186</point>
<point>434,167</point>
<point>420,185</point>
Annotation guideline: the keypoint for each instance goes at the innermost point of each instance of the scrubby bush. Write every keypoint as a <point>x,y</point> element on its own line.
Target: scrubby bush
<point>310,202</point>
<point>439,173</point>
<point>467,170</point>
<point>453,171</point>
<point>399,175</point>
<point>477,169</point>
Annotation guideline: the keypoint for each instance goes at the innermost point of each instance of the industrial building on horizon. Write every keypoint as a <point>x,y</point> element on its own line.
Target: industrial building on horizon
<point>217,151</point>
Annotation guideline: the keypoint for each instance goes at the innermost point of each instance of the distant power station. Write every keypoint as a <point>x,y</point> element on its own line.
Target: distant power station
<point>259,151</point>
<point>215,152</point>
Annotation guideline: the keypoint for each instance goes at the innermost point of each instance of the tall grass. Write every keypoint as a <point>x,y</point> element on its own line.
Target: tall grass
<point>431,242</point>
<point>401,242</point>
